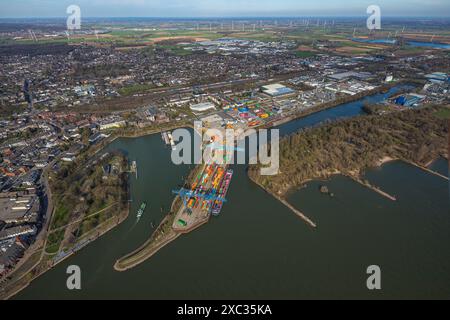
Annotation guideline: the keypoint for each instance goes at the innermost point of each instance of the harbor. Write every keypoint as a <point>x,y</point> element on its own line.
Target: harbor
<point>261,235</point>
<point>206,197</point>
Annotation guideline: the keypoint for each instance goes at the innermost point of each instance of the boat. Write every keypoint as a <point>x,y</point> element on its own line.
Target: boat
<point>165,138</point>
<point>134,168</point>
<point>172,142</point>
<point>141,210</point>
<point>217,205</point>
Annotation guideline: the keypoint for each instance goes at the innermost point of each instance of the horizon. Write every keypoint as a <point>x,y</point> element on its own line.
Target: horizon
<point>228,17</point>
<point>36,9</point>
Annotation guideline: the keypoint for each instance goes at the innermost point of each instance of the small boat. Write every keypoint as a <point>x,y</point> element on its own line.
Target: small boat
<point>141,210</point>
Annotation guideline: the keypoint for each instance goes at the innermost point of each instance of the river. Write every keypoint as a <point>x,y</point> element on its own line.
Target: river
<point>258,249</point>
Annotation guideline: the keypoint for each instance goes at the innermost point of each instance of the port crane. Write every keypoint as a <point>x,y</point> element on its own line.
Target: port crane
<point>187,194</point>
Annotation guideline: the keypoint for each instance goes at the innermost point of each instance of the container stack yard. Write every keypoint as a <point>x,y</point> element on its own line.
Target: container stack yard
<point>205,197</point>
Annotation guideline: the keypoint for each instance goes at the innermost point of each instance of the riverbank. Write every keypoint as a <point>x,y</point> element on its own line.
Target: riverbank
<point>335,103</point>
<point>48,260</point>
<point>42,266</point>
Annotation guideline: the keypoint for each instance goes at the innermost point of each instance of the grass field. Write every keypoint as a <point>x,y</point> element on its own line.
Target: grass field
<point>305,54</point>
<point>443,113</point>
<point>136,88</point>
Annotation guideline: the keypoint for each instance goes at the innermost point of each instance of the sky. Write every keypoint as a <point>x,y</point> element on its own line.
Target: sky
<point>222,8</point>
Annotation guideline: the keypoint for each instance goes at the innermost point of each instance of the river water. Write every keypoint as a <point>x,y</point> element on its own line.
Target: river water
<point>258,249</point>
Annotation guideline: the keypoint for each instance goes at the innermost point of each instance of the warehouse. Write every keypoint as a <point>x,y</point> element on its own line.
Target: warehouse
<point>276,90</point>
<point>202,107</point>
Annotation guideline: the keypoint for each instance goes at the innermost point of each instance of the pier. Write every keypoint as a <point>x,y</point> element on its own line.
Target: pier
<point>429,170</point>
<point>373,188</point>
<point>298,213</point>
<point>289,206</point>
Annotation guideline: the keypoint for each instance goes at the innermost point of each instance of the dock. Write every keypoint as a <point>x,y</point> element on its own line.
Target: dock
<point>205,197</point>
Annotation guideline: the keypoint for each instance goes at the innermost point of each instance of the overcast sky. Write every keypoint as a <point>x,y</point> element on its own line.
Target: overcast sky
<point>221,8</point>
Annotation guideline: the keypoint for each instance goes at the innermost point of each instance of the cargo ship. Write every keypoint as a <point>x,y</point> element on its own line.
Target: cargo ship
<point>141,210</point>
<point>217,206</point>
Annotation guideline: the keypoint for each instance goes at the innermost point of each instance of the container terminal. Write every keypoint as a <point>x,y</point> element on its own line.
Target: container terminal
<point>206,197</point>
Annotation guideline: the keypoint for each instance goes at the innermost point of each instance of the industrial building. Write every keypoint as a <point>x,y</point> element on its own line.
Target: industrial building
<point>202,107</point>
<point>17,231</point>
<point>409,100</point>
<point>276,90</point>
<point>437,77</point>
<point>351,75</point>
<point>21,209</point>
<point>112,125</point>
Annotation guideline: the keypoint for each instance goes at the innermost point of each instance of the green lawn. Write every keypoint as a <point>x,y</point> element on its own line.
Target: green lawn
<point>305,54</point>
<point>135,88</point>
<point>443,113</point>
<point>62,215</point>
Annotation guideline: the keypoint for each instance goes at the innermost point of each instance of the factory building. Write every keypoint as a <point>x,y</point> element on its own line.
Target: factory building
<point>276,90</point>
<point>202,107</point>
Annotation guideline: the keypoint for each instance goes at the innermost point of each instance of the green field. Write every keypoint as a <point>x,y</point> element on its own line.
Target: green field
<point>135,88</point>
<point>443,113</point>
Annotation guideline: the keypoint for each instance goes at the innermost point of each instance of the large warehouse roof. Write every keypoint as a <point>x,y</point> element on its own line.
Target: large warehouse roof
<point>201,107</point>
<point>276,90</point>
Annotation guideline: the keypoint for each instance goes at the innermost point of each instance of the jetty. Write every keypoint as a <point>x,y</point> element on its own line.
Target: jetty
<point>373,188</point>
<point>428,170</point>
<point>289,206</point>
<point>298,213</point>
